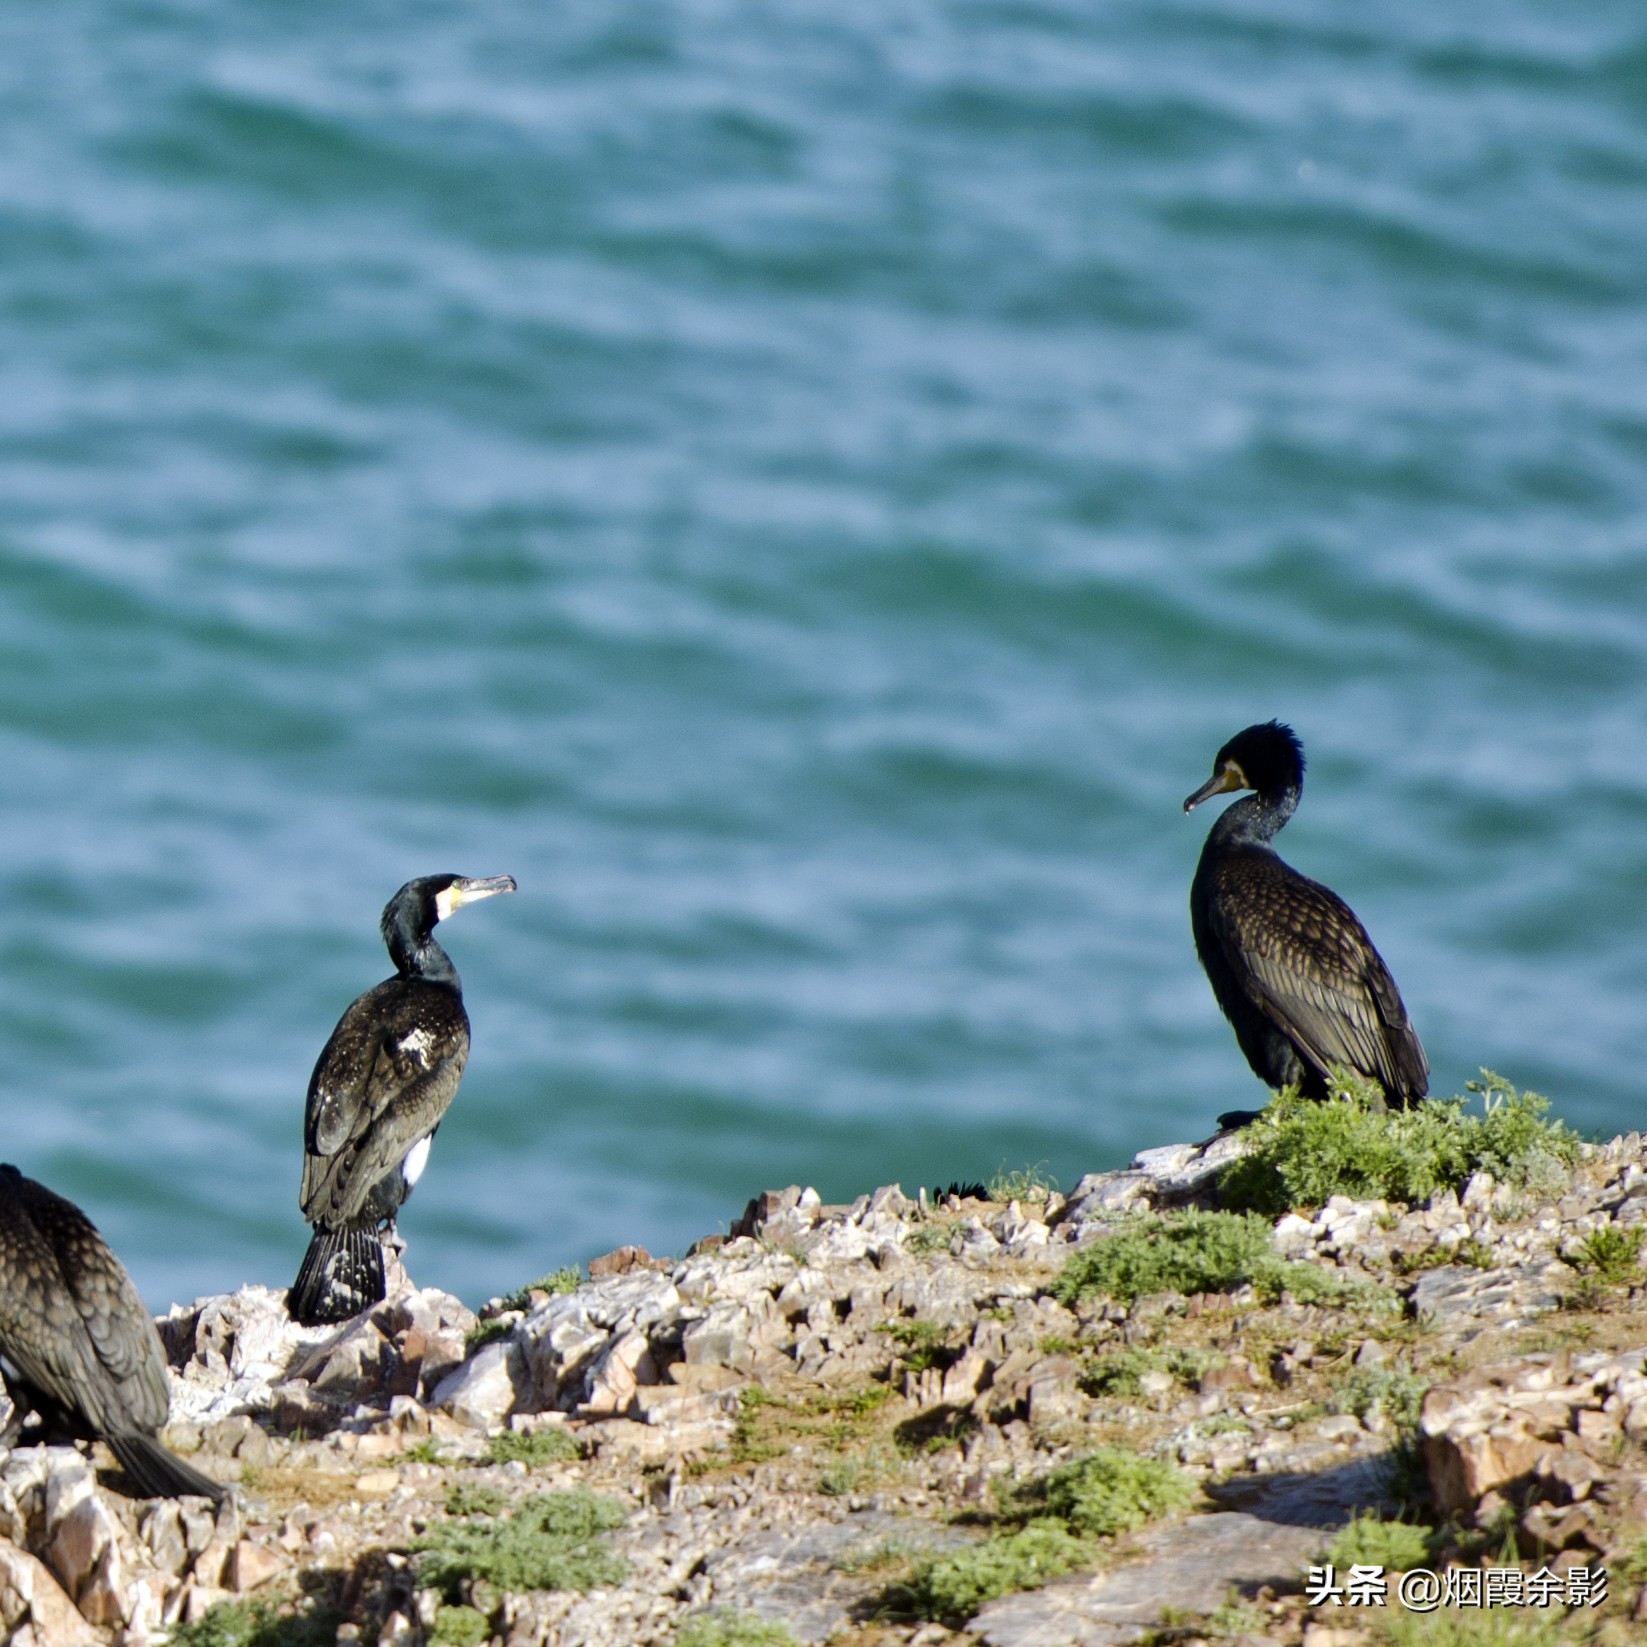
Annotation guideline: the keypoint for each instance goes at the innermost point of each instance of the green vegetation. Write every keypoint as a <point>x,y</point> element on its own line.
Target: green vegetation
<point>921,1344</point>
<point>1109,1491</point>
<point>1471,1627</point>
<point>1610,1254</point>
<point>567,1279</point>
<point>1398,1546</point>
<point>1059,1520</point>
<point>533,1448</point>
<point>486,1332</point>
<point>1027,1184</point>
<point>552,1541</point>
<point>473,1498</point>
<point>1396,1391</point>
<point>953,1587</point>
<point>426,1451</point>
<point>1191,1252</point>
<point>732,1627</point>
<point>1305,1151</point>
<point>258,1624</point>
<point>460,1627</point>
<point>926,1239</point>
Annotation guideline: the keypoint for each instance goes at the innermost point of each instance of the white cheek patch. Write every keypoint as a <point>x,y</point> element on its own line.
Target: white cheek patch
<point>416,1045</point>
<point>417,1158</point>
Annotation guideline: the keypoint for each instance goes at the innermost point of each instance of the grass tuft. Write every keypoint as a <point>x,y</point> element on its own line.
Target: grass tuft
<point>1305,1151</point>
<point>1026,1184</point>
<point>552,1541</point>
<point>1610,1254</point>
<point>1457,1627</point>
<point>1191,1252</point>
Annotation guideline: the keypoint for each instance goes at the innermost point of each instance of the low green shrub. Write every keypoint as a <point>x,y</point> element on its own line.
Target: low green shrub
<point>1111,1491</point>
<point>551,1541</point>
<point>460,1627</point>
<point>532,1447</point>
<point>1191,1252</point>
<point>1304,1151</point>
<point>473,1498</point>
<point>952,1587</point>
<point>567,1279</point>
<point>732,1627</point>
<point>1397,1546</point>
<point>1612,1255</point>
<point>257,1624</point>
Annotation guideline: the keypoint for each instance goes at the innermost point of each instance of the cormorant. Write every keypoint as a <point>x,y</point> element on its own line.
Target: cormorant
<point>378,1092</point>
<point>77,1346</point>
<point>1291,966</point>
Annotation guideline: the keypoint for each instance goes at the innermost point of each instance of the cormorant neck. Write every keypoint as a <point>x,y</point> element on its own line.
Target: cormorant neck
<point>417,955</point>
<point>1255,820</point>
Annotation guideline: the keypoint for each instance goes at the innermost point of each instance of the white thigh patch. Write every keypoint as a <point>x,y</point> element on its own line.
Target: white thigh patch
<point>417,1158</point>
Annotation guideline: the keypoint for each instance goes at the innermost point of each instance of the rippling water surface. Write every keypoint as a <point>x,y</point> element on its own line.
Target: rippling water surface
<point>807,495</point>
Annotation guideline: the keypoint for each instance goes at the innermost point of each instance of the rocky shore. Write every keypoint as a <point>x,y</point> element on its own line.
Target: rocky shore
<point>866,1424</point>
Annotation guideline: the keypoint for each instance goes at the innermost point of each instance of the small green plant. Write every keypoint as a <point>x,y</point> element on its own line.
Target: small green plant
<point>460,1627</point>
<point>1457,1627</point>
<point>879,1557</point>
<point>1109,1491</point>
<point>1369,1540</point>
<point>552,1541</point>
<point>473,1498</point>
<point>257,1624</point>
<point>1610,1254</point>
<point>853,1472</point>
<point>533,1448</point>
<point>487,1332</point>
<point>732,1627</point>
<point>1191,1252</point>
<point>426,1451</point>
<point>1236,1617</point>
<point>952,1587</point>
<point>926,1239</point>
<point>1026,1184</point>
<point>1395,1391</point>
<point>567,1279</point>
<point>1305,1151</point>
<point>921,1344</point>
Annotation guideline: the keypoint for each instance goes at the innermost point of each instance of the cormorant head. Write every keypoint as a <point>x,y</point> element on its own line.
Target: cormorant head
<point>414,910</point>
<point>1268,758</point>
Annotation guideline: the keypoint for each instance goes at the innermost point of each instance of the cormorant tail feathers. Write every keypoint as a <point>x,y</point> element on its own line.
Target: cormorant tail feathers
<point>342,1275</point>
<point>159,1473</point>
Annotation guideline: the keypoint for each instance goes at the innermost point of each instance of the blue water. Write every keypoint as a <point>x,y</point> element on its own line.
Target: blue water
<point>808,495</point>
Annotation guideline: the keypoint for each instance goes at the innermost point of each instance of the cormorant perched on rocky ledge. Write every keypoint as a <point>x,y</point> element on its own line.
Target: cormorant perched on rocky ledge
<point>1291,966</point>
<point>379,1090</point>
<point>77,1345</point>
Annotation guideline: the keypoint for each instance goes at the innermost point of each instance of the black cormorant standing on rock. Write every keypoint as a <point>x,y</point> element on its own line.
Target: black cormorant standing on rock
<point>77,1346</point>
<point>383,1082</point>
<point>1293,969</point>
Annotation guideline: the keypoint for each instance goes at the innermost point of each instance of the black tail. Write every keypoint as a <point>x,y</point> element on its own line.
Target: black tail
<point>162,1474</point>
<point>342,1275</point>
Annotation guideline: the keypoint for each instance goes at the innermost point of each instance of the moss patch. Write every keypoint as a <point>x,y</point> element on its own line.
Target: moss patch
<point>1305,1151</point>
<point>1397,1546</point>
<point>552,1541</point>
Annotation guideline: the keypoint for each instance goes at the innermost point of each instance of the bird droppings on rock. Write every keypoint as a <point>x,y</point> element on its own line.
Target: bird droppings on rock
<point>792,1420</point>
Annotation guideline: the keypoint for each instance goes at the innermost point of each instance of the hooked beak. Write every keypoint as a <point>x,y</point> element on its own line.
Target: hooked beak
<point>465,890</point>
<point>1229,776</point>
